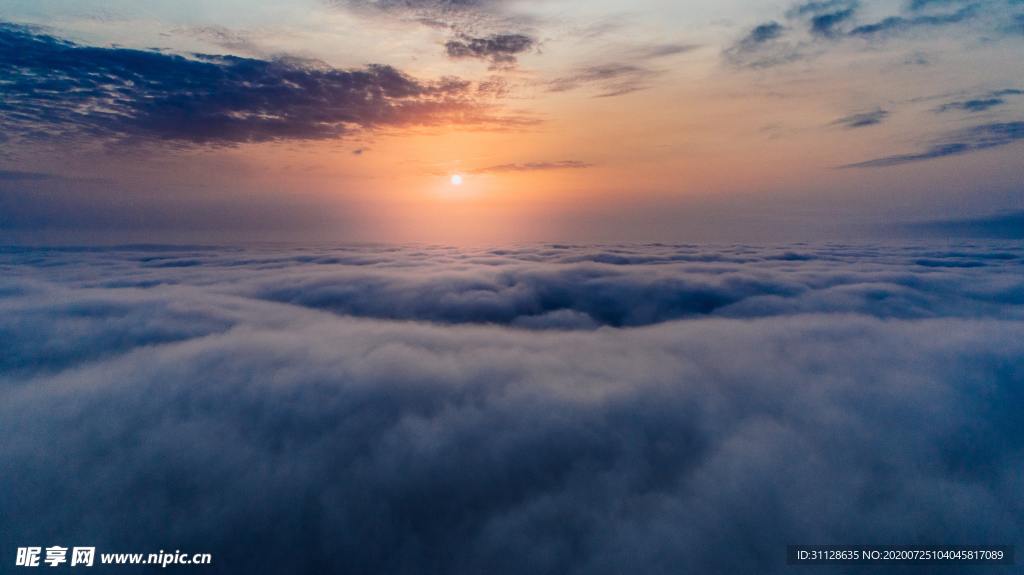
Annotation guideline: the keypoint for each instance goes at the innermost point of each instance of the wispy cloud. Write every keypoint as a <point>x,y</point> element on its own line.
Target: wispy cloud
<point>19,176</point>
<point>533,167</point>
<point>925,4</point>
<point>980,103</point>
<point>973,139</point>
<point>862,119</point>
<point>894,24</point>
<point>470,22</point>
<point>812,27</point>
<point>662,50</point>
<point>628,69</point>
<point>611,79</point>
<point>235,41</point>
<point>762,47</point>
<point>489,30</point>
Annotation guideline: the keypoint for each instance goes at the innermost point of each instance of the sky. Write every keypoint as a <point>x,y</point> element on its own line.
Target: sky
<point>346,120</point>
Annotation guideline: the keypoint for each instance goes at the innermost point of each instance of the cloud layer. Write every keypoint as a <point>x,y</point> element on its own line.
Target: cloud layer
<point>229,401</point>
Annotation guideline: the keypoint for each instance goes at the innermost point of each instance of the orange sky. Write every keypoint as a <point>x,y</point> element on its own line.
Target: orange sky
<point>589,119</point>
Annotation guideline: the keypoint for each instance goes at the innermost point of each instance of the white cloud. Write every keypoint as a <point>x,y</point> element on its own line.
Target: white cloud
<point>189,412</point>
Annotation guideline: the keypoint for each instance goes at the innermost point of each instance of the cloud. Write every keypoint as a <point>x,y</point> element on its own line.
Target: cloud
<point>813,28</point>
<point>663,50</point>
<point>285,439</point>
<point>498,49</point>
<point>19,176</point>
<point>900,24</point>
<point>761,47</point>
<point>483,29</point>
<point>611,79</point>
<point>474,18</point>
<point>616,78</point>
<point>814,8</point>
<point>766,45</point>
<point>863,119</point>
<point>826,24</point>
<point>924,4</point>
<point>620,287</point>
<point>975,105</point>
<point>56,88</point>
<point>533,167</point>
<point>824,18</point>
<point>1003,225</point>
<point>611,286</point>
<point>763,33</point>
<point>233,40</point>
<point>973,139</point>
<point>425,8</point>
<point>981,103</point>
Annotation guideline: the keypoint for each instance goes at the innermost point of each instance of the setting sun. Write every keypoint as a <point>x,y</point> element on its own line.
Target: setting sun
<point>456,180</point>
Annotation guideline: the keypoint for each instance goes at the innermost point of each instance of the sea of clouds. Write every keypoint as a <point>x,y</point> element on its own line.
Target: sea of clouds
<point>542,409</point>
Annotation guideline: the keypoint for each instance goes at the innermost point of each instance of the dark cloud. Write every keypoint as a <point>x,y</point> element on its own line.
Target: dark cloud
<point>147,404</point>
<point>916,5</point>
<point>981,103</point>
<point>823,18</point>
<point>533,167</point>
<point>58,88</point>
<point>1007,92</point>
<point>972,139</point>
<point>761,47</point>
<point>498,49</point>
<point>19,176</point>
<point>895,24</point>
<point>1017,25</point>
<point>763,33</point>
<point>862,119</point>
<point>819,7</point>
<point>610,79</point>
<point>974,105</point>
<point>764,46</point>
<point>1004,225</point>
<point>826,24</point>
<point>813,27</point>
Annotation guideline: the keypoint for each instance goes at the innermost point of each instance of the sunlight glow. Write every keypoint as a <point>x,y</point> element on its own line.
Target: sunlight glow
<point>456,180</point>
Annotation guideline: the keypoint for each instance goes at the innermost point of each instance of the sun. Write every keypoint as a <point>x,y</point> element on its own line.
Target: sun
<point>456,180</point>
